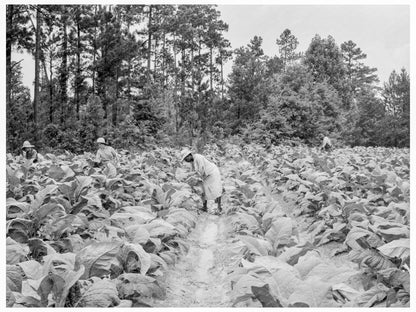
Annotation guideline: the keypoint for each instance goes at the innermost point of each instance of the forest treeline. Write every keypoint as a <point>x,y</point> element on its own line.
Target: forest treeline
<point>139,74</point>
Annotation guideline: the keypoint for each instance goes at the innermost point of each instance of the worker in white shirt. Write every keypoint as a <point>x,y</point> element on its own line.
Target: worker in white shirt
<point>29,153</point>
<point>210,175</point>
<point>326,144</point>
<point>105,153</point>
<point>106,158</point>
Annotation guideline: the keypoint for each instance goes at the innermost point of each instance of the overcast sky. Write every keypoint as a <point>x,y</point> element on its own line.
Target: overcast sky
<point>381,31</point>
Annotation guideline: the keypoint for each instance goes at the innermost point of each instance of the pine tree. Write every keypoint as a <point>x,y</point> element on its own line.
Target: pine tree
<point>18,36</point>
<point>358,76</point>
<point>247,89</point>
<point>287,47</point>
<point>396,99</point>
<point>324,60</point>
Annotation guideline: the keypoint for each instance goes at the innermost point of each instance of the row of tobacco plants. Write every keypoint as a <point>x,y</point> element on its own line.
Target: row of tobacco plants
<point>85,236</point>
<point>79,236</point>
<point>354,202</point>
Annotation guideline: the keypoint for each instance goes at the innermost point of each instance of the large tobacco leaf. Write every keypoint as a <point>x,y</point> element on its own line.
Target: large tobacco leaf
<point>41,196</point>
<point>399,248</point>
<point>14,278</point>
<point>371,297</point>
<point>15,252</point>
<point>160,228</point>
<point>256,246</point>
<point>358,238</point>
<point>102,294</point>
<point>395,278</point>
<point>132,285</point>
<point>390,231</point>
<point>55,275</point>
<point>100,259</point>
<point>312,292</point>
<point>263,295</point>
<point>65,224</point>
<point>20,229</point>
<point>137,234</point>
<point>16,208</point>
<point>292,254</point>
<point>83,182</point>
<point>244,221</point>
<point>181,215</point>
<point>60,172</point>
<point>134,257</point>
<point>124,219</point>
<point>371,258</point>
<point>280,232</point>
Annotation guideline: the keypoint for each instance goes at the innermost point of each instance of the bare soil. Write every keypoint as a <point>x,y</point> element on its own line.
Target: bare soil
<point>199,278</point>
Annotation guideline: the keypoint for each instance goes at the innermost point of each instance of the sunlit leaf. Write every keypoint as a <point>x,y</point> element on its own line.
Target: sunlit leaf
<point>134,256</point>
<point>134,285</point>
<point>312,292</point>
<point>399,248</point>
<point>100,258</point>
<point>102,294</point>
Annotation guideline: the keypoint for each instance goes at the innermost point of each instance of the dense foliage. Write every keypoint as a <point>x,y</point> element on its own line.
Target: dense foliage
<point>156,72</point>
<point>341,209</point>
<point>79,236</point>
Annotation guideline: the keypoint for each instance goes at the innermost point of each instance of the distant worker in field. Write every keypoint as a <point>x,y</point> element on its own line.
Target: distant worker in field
<point>106,155</point>
<point>29,153</point>
<point>210,175</point>
<point>326,144</point>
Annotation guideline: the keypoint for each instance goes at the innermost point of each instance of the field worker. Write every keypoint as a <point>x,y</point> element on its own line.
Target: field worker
<point>326,144</point>
<point>210,174</point>
<point>29,153</point>
<point>106,155</point>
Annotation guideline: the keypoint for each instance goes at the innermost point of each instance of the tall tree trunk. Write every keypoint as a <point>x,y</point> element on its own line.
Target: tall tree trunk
<point>164,61</point>
<point>129,68</point>
<point>78,75</point>
<point>181,99</point>
<point>10,9</point>
<point>149,43</point>
<point>51,105</point>
<point>64,69</point>
<point>192,70</point>
<point>36,91</point>
<point>9,26</point>
<point>103,83</point>
<point>175,88</point>
<point>94,64</point>
<point>183,74</point>
<point>210,68</point>
<point>115,103</point>
<point>48,81</point>
<point>222,78</point>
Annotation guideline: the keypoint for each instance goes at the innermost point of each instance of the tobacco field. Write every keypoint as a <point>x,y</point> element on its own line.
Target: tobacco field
<point>299,228</point>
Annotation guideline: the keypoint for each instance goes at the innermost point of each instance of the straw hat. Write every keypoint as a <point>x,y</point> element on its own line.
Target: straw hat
<point>185,153</point>
<point>101,140</point>
<point>27,144</point>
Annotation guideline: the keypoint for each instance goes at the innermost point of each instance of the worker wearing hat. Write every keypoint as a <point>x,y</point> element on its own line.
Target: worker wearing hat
<point>210,174</point>
<point>29,152</point>
<point>326,143</point>
<point>105,154</point>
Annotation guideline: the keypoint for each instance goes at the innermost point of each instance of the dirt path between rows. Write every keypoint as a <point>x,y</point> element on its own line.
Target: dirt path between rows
<point>199,278</point>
